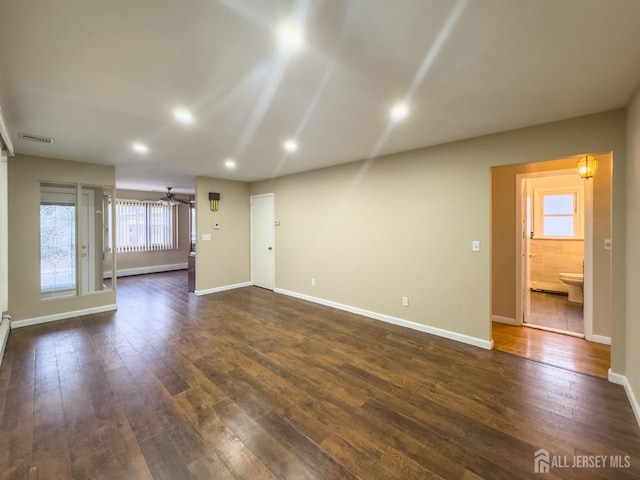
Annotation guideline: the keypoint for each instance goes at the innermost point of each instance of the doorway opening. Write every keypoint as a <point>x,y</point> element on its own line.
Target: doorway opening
<point>551,263</point>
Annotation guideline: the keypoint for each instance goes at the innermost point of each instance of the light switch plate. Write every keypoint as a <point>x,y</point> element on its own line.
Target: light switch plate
<point>475,246</point>
<point>206,236</point>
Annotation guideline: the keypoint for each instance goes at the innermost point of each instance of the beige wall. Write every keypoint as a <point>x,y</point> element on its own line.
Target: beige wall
<point>603,306</point>
<point>552,257</point>
<point>503,214</point>
<point>371,232</point>
<point>632,366</point>
<point>225,259</point>
<point>25,175</point>
<point>503,230</point>
<point>135,260</point>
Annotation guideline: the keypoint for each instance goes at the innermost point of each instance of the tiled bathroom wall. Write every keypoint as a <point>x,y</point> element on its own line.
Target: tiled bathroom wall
<point>550,257</point>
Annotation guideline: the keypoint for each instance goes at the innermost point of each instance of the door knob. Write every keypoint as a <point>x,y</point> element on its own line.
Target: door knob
<point>270,248</point>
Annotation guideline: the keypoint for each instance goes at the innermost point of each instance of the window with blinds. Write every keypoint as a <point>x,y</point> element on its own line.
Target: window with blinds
<point>144,226</point>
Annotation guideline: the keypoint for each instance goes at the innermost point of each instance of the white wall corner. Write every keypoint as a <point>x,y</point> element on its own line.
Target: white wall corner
<point>5,138</point>
<point>223,288</point>
<point>61,316</point>
<point>506,320</point>
<point>5,326</point>
<point>620,379</point>
<point>459,337</point>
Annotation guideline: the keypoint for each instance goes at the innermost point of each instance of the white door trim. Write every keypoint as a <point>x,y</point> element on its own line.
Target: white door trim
<point>4,234</point>
<point>588,260</point>
<point>86,228</point>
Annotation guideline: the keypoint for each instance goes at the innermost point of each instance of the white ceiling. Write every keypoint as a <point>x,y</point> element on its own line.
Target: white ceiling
<point>97,75</point>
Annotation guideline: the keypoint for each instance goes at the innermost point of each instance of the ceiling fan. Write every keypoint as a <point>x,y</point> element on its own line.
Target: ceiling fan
<point>169,198</point>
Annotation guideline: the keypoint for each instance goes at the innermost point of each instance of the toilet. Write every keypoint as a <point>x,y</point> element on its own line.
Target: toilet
<point>575,282</point>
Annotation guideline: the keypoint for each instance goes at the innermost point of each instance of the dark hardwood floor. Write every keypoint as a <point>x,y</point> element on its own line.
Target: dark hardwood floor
<point>248,384</point>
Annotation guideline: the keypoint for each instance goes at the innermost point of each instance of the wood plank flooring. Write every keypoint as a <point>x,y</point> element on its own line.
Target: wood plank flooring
<point>565,351</point>
<point>248,384</point>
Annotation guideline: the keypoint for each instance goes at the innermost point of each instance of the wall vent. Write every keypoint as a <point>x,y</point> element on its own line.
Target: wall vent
<point>36,138</point>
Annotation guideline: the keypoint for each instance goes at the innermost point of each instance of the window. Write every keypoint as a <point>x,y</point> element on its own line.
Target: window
<point>558,213</point>
<point>144,226</point>
<point>58,240</point>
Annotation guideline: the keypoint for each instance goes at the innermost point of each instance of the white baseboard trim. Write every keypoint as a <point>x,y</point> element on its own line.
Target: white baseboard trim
<point>61,316</point>
<point>620,379</point>
<point>599,339</point>
<point>459,337</point>
<point>507,320</point>
<point>127,272</point>
<point>224,288</point>
<point>5,326</point>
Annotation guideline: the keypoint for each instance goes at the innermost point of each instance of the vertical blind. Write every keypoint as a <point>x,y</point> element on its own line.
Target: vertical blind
<point>144,226</point>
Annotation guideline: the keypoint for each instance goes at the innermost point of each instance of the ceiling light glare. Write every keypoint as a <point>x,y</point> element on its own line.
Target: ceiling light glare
<point>399,112</point>
<point>290,38</point>
<point>230,163</point>
<point>140,148</point>
<point>183,116</point>
<point>290,146</point>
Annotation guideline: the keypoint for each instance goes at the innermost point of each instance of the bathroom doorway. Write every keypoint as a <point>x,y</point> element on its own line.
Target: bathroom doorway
<point>516,307</point>
<point>553,227</point>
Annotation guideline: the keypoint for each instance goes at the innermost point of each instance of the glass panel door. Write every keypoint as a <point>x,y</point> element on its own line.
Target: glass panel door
<point>58,274</point>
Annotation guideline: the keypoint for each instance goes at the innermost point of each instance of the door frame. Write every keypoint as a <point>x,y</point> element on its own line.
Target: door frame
<point>273,236</point>
<point>521,288</point>
<point>86,227</point>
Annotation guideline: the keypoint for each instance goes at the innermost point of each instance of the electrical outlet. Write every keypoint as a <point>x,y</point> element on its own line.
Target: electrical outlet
<point>313,282</point>
<point>405,301</point>
<point>206,236</point>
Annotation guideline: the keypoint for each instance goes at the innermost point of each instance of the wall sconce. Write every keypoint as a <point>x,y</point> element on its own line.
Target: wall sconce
<point>587,166</point>
<point>213,201</point>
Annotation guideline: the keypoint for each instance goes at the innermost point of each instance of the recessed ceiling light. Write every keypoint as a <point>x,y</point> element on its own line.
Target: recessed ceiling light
<point>230,163</point>
<point>399,111</point>
<point>290,145</point>
<point>183,116</point>
<point>139,147</point>
<point>290,37</point>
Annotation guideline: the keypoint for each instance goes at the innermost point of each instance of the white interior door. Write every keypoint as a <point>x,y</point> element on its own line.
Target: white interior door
<point>526,255</point>
<point>263,241</point>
